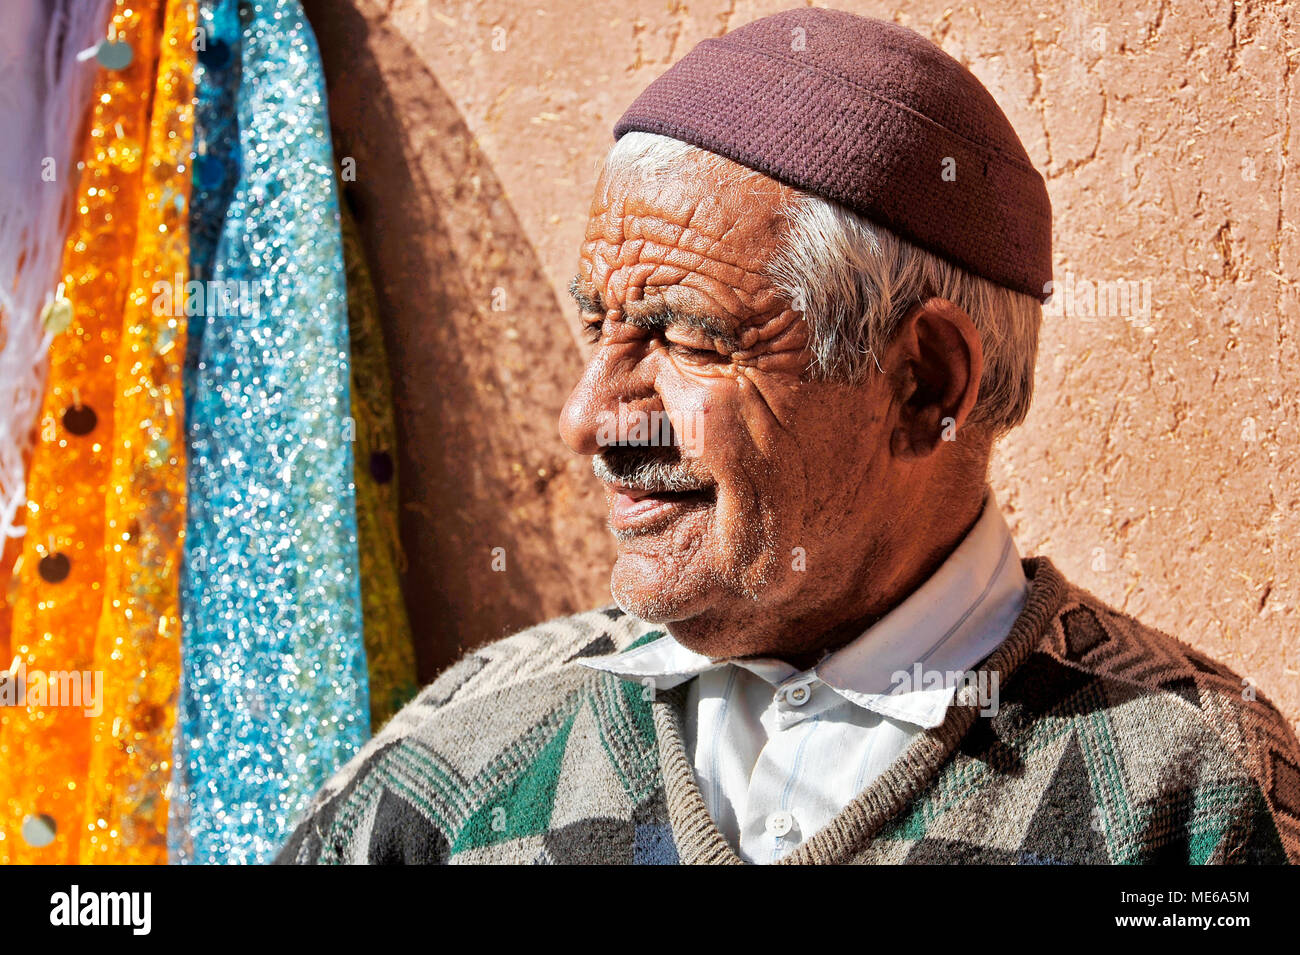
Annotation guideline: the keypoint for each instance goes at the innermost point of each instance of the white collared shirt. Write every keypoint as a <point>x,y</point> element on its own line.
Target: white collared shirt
<point>779,752</point>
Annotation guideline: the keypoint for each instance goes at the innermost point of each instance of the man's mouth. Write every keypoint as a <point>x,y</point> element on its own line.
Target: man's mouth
<point>634,509</point>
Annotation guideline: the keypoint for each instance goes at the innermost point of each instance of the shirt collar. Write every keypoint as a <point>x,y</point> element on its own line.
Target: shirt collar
<point>907,666</point>
<point>669,664</point>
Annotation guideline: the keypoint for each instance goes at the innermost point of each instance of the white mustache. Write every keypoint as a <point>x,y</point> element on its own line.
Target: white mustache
<point>649,475</point>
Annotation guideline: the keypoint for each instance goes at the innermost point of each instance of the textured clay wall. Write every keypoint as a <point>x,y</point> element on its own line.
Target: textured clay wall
<point>1159,465</point>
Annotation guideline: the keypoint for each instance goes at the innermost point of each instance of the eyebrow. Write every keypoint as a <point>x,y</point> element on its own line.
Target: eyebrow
<point>656,316</point>
<point>585,302</point>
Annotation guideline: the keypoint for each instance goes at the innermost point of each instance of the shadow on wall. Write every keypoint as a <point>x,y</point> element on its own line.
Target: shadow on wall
<point>502,525</point>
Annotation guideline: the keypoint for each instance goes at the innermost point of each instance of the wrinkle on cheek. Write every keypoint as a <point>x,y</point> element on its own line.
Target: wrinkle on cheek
<point>766,406</point>
<point>728,409</point>
<point>747,520</point>
<point>715,429</point>
<point>689,407</point>
<point>741,527</point>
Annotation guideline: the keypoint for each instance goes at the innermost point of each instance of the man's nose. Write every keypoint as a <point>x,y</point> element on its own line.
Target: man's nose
<point>608,384</point>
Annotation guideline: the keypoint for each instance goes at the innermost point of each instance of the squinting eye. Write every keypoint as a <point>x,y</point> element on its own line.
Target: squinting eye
<point>690,344</point>
<point>592,330</point>
<point>686,351</point>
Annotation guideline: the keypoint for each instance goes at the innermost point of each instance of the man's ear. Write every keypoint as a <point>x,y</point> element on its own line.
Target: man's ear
<point>935,360</point>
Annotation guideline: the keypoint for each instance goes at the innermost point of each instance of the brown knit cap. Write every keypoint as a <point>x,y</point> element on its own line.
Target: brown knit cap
<point>869,114</point>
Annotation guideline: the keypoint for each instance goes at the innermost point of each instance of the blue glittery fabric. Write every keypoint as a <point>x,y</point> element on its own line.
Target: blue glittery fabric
<point>274,695</point>
<point>216,147</point>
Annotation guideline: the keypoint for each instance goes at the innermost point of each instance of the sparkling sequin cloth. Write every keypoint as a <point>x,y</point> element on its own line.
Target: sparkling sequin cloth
<point>96,601</point>
<point>44,106</point>
<point>273,687</point>
<point>139,634</point>
<point>390,655</point>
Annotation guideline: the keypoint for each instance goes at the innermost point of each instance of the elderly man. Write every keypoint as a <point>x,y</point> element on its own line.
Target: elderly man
<point>815,260</point>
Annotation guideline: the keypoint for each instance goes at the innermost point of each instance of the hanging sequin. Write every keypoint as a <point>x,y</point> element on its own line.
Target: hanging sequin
<point>274,689</point>
<point>45,749</point>
<point>38,152</point>
<point>137,647</point>
<point>390,654</point>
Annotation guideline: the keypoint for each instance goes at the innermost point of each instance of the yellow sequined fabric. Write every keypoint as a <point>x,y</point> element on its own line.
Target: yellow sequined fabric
<point>98,583</point>
<point>390,654</point>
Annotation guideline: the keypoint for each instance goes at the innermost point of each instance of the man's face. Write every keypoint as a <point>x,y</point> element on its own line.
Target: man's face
<point>763,507</point>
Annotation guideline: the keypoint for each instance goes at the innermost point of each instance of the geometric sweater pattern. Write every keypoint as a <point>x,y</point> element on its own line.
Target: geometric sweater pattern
<point>1112,743</point>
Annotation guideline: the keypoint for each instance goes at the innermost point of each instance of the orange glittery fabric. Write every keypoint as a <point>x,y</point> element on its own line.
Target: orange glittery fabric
<point>8,589</point>
<point>110,500</point>
<point>139,633</point>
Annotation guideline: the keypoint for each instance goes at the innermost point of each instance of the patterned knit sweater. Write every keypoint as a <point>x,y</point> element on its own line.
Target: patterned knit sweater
<point>1112,743</point>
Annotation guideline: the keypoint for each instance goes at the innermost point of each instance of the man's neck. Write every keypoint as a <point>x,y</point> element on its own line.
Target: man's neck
<point>839,634</point>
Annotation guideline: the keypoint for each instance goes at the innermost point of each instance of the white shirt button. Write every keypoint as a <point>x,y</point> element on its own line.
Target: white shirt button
<point>798,694</point>
<point>779,823</point>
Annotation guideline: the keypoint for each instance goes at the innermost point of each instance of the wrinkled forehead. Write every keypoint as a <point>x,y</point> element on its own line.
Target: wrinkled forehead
<point>706,222</point>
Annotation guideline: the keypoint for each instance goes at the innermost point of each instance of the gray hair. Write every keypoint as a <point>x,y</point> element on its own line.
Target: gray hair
<point>855,281</point>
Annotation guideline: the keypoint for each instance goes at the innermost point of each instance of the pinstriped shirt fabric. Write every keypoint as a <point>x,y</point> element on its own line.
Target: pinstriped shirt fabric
<point>778,752</point>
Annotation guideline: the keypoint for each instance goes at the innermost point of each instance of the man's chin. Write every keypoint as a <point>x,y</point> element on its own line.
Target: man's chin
<point>639,588</point>
<point>663,585</point>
